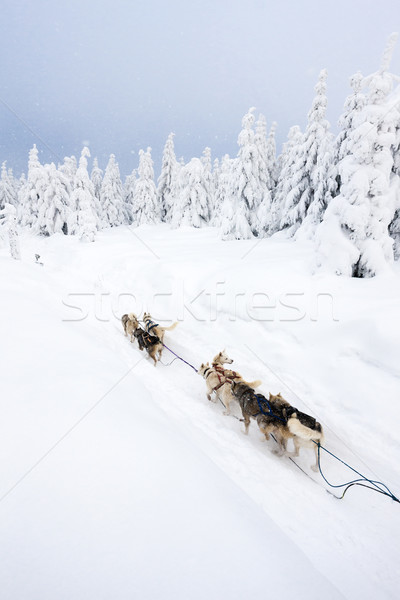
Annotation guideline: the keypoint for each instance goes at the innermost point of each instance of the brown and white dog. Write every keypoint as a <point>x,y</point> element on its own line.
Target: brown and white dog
<point>129,323</point>
<point>156,329</point>
<point>218,379</point>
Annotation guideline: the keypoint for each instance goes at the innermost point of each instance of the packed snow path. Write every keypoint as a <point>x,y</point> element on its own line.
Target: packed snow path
<point>156,493</point>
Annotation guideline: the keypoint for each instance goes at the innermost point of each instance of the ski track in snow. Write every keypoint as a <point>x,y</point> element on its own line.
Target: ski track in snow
<point>353,542</point>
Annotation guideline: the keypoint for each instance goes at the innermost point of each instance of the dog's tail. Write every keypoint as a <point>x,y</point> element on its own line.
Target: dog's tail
<point>305,433</point>
<point>253,384</point>
<point>171,327</point>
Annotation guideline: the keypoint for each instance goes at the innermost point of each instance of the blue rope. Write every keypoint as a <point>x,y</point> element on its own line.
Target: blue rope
<point>180,358</point>
<point>349,484</point>
<point>262,399</point>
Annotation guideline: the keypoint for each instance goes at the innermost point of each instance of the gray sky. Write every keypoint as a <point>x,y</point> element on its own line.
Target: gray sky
<point>120,75</point>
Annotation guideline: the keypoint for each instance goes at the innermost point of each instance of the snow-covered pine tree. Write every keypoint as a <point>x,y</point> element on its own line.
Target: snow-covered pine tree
<point>288,165</point>
<point>313,154</point>
<point>265,167</point>
<point>208,179</point>
<point>8,220</point>
<point>223,190</point>
<point>354,103</point>
<point>214,219</point>
<point>353,238</point>
<point>53,204</point>
<point>83,218</point>
<point>260,139</point>
<point>129,194</point>
<point>146,209</point>
<point>271,157</point>
<point>32,191</point>
<point>96,177</point>
<point>239,217</point>
<point>111,196</point>
<point>68,168</point>
<point>192,207</point>
<point>394,227</point>
<point>15,184</point>
<point>8,192</point>
<point>167,187</point>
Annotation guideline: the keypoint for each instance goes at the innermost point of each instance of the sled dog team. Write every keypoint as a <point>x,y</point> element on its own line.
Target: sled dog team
<point>274,415</point>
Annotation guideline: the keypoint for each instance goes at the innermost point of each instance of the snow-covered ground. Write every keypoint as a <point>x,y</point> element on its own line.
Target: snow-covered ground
<point>120,480</point>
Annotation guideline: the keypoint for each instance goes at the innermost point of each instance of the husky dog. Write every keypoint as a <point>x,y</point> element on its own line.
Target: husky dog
<point>129,323</point>
<point>156,329</point>
<point>306,431</point>
<point>277,416</point>
<point>221,359</point>
<point>219,380</point>
<point>151,343</point>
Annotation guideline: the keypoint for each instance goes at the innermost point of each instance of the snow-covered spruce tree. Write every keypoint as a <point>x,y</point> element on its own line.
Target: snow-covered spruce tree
<point>112,196</point>
<point>83,218</point>
<point>167,185</point>
<point>239,218</point>
<point>223,190</point>
<point>129,194</point>
<point>96,177</point>
<point>32,191</point>
<point>192,207</point>
<point>208,178</point>
<point>312,156</point>
<point>54,203</point>
<point>265,177</point>
<point>271,157</point>
<point>8,220</point>
<point>260,139</point>
<point>68,168</point>
<point>353,238</point>
<point>214,219</point>
<point>288,165</point>
<point>354,103</point>
<point>394,227</point>
<point>145,206</point>
<point>8,191</point>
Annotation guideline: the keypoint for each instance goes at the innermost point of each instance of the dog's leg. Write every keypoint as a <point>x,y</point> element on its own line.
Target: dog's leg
<point>227,400</point>
<point>280,451</point>
<point>246,424</point>
<point>296,447</point>
<point>315,467</point>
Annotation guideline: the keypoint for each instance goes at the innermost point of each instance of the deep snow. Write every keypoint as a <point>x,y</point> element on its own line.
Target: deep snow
<point>153,492</point>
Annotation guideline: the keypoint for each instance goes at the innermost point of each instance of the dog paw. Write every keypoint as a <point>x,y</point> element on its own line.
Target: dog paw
<point>314,468</point>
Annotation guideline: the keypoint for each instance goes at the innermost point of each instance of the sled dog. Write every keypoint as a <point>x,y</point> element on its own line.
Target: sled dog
<point>276,416</point>
<point>218,380</point>
<point>129,323</point>
<point>156,329</point>
<point>149,342</point>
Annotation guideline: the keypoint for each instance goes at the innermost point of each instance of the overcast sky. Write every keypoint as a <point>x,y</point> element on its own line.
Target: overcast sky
<point>119,75</point>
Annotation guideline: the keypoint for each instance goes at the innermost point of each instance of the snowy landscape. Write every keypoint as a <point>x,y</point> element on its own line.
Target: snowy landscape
<point>120,479</point>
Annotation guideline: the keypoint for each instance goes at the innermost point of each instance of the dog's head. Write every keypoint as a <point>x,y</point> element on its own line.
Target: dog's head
<point>203,368</point>
<point>222,358</point>
<point>276,398</point>
<point>146,317</point>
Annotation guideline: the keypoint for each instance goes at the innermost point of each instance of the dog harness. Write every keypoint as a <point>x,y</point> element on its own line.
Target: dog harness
<point>222,376</point>
<point>262,400</point>
<point>150,325</point>
<point>147,338</point>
